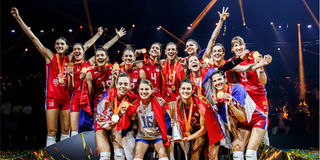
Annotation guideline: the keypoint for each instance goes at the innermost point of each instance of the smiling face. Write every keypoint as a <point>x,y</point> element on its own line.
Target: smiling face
<point>218,81</point>
<point>191,48</point>
<point>77,51</point>
<point>128,57</point>
<point>145,91</point>
<point>186,90</point>
<point>238,48</point>
<point>101,58</point>
<point>171,51</point>
<point>194,64</point>
<point>61,46</point>
<point>217,53</point>
<point>123,86</point>
<point>155,50</point>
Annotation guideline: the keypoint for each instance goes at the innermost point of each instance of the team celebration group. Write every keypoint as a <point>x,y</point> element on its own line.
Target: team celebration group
<point>181,106</point>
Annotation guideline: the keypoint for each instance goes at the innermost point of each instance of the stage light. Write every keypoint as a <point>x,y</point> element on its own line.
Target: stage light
<point>309,26</point>
<point>41,31</point>
<point>105,28</point>
<point>158,28</point>
<point>13,31</point>
<point>29,27</point>
<point>271,23</point>
<point>191,25</point>
<point>118,51</point>
<point>279,27</point>
<point>26,49</point>
<point>80,27</point>
<point>188,27</point>
<point>278,49</point>
<point>216,23</point>
<point>52,30</point>
<point>133,26</point>
<point>70,30</point>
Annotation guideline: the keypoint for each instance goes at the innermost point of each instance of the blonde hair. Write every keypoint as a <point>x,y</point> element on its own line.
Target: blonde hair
<point>237,39</point>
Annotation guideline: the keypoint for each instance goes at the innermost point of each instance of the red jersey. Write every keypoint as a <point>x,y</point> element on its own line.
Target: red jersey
<point>230,75</point>
<point>101,81</point>
<point>54,89</point>
<point>250,81</point>
<point>134,76</point>
<point>153,74</point>
<point>172,76</point>
<point>197,82</point>
<point>77,67</point>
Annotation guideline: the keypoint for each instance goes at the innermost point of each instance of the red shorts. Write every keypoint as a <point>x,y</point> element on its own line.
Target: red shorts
<point>258,120</point>
<point>52,103</point>
<point>75,102</point>
<point>261,102</point>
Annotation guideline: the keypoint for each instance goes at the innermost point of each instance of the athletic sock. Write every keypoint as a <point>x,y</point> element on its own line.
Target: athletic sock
<point>50,140</point>
<point>64,136</point>
<point>73,133</point>
<point>251,155</point>
<point>238,155</point>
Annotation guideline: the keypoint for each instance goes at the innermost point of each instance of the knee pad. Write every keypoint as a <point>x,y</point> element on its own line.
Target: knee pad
<point>119,154</point>
<point>251,155</point>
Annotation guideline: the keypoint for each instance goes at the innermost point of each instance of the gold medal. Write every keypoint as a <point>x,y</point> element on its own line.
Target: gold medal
<point>188,134</point>
<point>255,54</point>
<point>206,60</point>
<point>125,104</point>
<point>70,64</point>
<point>61,80</point>
<point>144,50</point>
<point>220,95</point>
<point>173,88</point>
<point>115,65</point>
<point>84,70</point>
<point>115,118</point>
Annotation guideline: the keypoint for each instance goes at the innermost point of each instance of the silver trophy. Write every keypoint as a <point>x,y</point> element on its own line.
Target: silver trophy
<point>176,131</point>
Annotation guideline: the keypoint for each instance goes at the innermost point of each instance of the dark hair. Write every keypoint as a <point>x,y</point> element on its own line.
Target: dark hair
<point>128,49</point>
<point>196,43</point>
<point>220,45</point>
<point>218,72</point>
<point>145,81</point>
<point>64,39</point>
<point>123,74</point>
<point>171,43</point>
<point>79,45</point>
<point>105,51</point>
<point>187,74</point>
<point>186,81</point>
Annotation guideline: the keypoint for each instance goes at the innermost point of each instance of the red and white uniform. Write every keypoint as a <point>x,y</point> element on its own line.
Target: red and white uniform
<point>177,73</point>
<point>134,76</point>
<point>153,74</point>
<point>57,94</point>
<point>76,94</point>
<point>197,82</point>
<point>101,81</point>
<point>250,81</point>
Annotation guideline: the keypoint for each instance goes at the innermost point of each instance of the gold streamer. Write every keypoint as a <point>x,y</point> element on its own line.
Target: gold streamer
<point>85,146</point>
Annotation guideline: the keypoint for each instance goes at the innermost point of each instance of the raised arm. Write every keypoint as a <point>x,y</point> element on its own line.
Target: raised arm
<point>216,32</point>
<point>91,41</point>
<point>45,52</point>
<point>119,33</point>
<point>253,67</point>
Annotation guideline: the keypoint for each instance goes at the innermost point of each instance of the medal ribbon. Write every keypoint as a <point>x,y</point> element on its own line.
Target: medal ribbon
<point>79,62</point>
<point>61,70</point>
<point>188,122</point>
<point>200,85</point>
<point>174,69</point>
<point>116,108</point>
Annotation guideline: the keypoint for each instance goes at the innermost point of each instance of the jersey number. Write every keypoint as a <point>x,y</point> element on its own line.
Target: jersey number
<point>105,85</point>
<point>149,122</point>
<point>154,77</point>
<point>244,77</point>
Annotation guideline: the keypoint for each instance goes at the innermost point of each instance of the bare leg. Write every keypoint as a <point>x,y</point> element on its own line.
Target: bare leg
<point>140,149</point>
<point>256,137</point>
<point>160,149</point>
<point>196,147</point>
<point>74,119</point>
<point>65,121</point>
<point>213,151</point>
<point>52,121</point>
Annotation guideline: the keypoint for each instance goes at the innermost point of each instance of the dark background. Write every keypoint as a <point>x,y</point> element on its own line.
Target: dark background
<point>23,73</point>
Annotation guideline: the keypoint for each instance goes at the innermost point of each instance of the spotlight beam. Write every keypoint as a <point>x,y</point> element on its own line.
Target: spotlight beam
<point>195,23</point>
<point>86,8</point>
<point>311,13</point>
<point>312,52</point>
<point>181,41</point>
<point>302,95</point>
<point>242,13</point>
